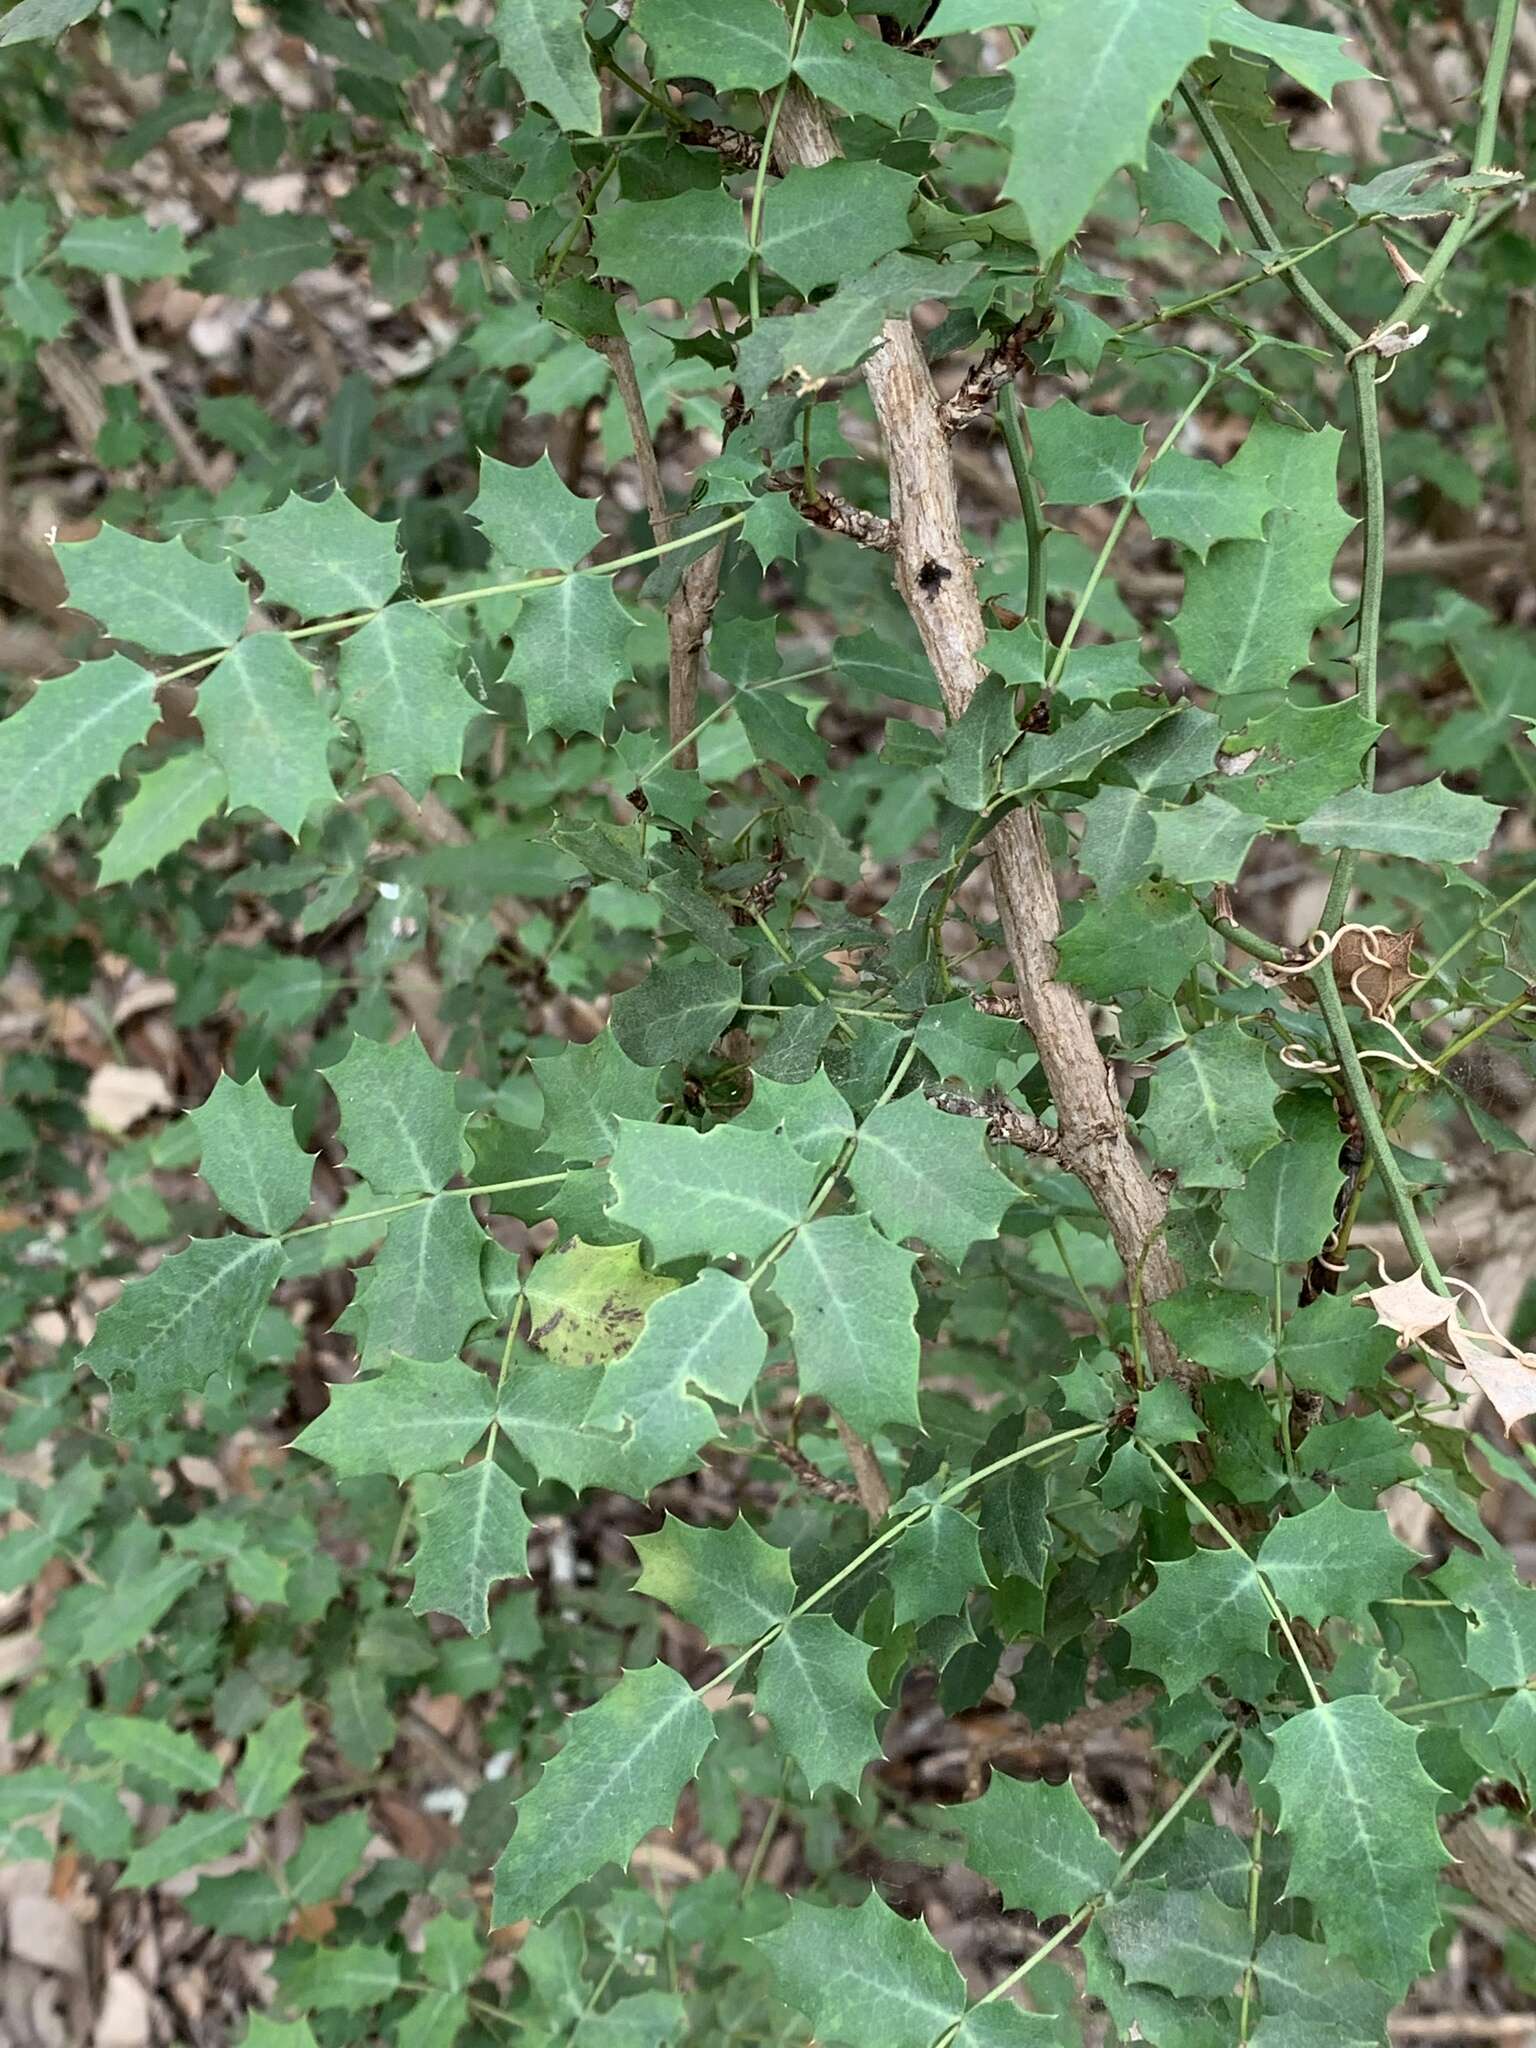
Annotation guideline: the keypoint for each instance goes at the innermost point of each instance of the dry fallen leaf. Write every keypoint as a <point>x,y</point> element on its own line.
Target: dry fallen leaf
<point>118,1097</point>
<point>1411,1307</point>
<point>1508,1382</point>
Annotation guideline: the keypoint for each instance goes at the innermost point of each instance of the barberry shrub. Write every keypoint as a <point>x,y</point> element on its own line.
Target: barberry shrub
<point>853,960</point>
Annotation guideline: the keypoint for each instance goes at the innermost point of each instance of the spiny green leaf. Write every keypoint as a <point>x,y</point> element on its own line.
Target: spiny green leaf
<point>1252,606</point>
<point>1087,87</point>
<point>251,1158</point>
<point>473,1531</point>
<point>170,806</point>
<point>34,19</point>
<point>1171,189</point>
<point>65,739</point>
<point>1081,457</point>
<point>530,518</point>
<point>320,556</point>
<point>811,1114</point>
<point>720,1193</point>
<point>1305,755</point>
<point>1426,822</point>
<point>156,593</point>
<point>1207,1610</point>
<point>677,1012</point>
<point>1334,1559</point>
<point>423,1293</point>
<point>735,44</point>
<point>268,730</point>
<point>167,1755</point>
<point>1187,1942</point>
<point>838,60</point>
<point>415,1417</point>
<point>729,1582</point>
<point>168,1334</point>
<point>1212,1107</point>
<point>568,655</point>
<point>399,684</point>
<point>399,1125</point>
<point>923,1174</point>
<point>124,245</point>
<point>1077,748</point>
<point>587,1302</point>
<point>544,1409</point>
<point>260,253</point>
<point>936,1564</point>
<point>1037,1843</point>
<point>1359,1810</point>
<point>587,1089</point>
<point>541,43</point>
<point>1332,1347</point>
<point>1283,1211</point>
<point>850,1296</point>
<point>705,1336</point>
<point>840,332</point>
<point>1151,937</point>
<point>864,1977</point>
<point>678,248</point>
<point>1206,841</point>
<point>832,220</point>
<point>1226,1331</point>
<point>620,1774</point>
<point>1300,1982</point>
<point>1501,1637</point>
<point>1319,61</point>
<point>813,1685</point>
<point>195,1838</point>
<point>273,1761</point>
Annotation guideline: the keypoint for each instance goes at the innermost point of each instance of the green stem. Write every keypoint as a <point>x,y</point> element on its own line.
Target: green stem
<point>1373,513</point>
<point>759,183</point>
<point>1029,503</point>
<point>1242,284</point>
<point>1444,254</point>
<point>1239,935</point>
<point>1214,1521</point>
<point>495,1187</point>
<point>1305,293</point>
<point>1443,960</point>
<point>453,597</point>
<point>1363,1102</point>
<point>892,1534</point>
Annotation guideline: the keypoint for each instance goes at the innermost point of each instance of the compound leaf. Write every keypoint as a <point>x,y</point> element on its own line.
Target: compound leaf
<point>320,556</point>
<point>1334,1559</point>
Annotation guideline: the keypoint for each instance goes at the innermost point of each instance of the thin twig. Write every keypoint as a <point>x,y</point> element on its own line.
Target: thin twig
<point>150,386</point>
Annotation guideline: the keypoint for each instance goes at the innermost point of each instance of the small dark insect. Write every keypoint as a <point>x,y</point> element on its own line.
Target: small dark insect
<point>1038,718</point>
<point>638,798</point>
<point>932,577</point>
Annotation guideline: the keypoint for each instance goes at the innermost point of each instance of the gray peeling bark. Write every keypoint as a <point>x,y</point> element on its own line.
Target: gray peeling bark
<point>1095,1143</point>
